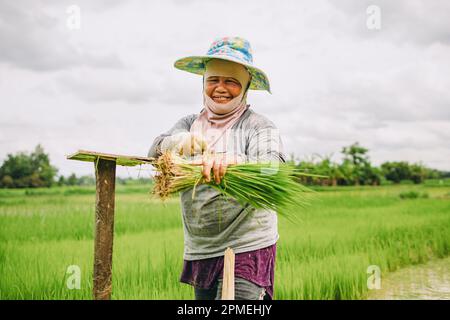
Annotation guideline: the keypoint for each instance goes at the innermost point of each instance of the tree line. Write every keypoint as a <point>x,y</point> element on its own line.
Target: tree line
<point>356,169</point>
<point>32,170</point>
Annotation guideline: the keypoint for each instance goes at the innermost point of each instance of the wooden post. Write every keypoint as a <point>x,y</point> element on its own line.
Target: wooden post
<point>105,174</point>
<point>228,275</point>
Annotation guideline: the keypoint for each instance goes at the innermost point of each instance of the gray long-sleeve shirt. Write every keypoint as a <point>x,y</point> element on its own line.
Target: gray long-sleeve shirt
<point>213,222</point>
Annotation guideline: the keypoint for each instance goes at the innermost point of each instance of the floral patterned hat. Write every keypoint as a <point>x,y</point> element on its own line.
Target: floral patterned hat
<point>233,49</point>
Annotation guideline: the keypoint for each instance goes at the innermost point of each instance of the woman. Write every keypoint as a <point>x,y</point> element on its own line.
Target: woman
<point>226,131</point>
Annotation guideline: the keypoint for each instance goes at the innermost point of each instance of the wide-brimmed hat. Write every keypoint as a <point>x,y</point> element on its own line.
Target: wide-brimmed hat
<point>233,49</point>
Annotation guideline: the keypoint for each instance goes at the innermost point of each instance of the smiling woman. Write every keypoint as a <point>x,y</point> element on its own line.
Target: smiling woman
<point>212,223</point>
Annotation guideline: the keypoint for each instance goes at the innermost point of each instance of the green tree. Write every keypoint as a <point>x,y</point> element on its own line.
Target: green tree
<point>356,160</point>
<point>42,169</point>
<point>61,181</point>
<point>7,182</point>
<point>418,173</point>
<point>328,168</point>
<point>72,180</point>
<point>371,175</point>
<point>347,173</point>
<point>396,171</point>
<point>24,170</point>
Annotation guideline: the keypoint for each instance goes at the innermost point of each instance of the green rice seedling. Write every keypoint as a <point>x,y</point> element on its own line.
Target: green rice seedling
<point>261,185</point>
<point>324,257</point>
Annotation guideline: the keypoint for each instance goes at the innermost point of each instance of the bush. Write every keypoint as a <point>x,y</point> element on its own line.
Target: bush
<point>413,195</point>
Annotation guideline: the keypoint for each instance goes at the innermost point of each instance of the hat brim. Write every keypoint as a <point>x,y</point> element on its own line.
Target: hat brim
<point>196,65</point>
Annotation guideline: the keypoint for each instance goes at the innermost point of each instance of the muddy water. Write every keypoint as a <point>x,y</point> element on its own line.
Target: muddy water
<point>430,281</point>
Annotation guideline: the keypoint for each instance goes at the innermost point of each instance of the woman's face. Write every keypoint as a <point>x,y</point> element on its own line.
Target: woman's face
<point>222,89</point>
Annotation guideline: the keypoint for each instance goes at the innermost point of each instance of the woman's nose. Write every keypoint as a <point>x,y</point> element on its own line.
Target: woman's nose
<point>220,88</point>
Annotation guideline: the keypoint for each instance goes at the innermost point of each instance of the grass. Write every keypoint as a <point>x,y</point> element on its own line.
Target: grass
<point>324,257</point>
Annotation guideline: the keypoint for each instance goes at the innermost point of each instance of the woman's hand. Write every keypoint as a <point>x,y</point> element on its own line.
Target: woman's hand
<point>184,143</point>
<point>218,163</point>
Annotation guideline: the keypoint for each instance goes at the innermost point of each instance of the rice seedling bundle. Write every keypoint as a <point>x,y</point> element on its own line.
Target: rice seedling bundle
<point>262,185</point>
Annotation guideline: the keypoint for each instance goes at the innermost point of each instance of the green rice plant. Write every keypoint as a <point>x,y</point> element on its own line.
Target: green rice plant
<point>324,257</point>
<point>262,185</point>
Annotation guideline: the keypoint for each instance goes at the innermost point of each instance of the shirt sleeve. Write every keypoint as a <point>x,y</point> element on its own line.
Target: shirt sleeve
<point>264,142</point>
<point>182,125</point>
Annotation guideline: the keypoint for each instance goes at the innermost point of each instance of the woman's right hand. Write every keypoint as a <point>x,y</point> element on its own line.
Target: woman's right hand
<point>184,144</point>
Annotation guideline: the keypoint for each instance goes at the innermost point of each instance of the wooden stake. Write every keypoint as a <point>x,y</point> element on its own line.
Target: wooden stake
<point>228,275</point>
<point>105,174</point>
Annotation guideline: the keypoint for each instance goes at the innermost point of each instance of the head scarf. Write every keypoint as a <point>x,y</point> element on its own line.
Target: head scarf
<point>215,118</point>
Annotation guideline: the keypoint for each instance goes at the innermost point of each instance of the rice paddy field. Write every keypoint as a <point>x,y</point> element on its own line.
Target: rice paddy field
<point>325,256</point>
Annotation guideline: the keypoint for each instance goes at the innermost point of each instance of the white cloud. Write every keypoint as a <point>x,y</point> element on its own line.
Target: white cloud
<point>111,85</point>
<point>33,38</point>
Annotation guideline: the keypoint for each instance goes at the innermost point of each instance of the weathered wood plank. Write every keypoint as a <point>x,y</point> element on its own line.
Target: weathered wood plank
<point>121,160</point>
<point>105,174</point>
<point>228,275</point>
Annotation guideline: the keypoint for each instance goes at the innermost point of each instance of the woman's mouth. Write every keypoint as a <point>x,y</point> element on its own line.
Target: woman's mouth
<point>221,98</point>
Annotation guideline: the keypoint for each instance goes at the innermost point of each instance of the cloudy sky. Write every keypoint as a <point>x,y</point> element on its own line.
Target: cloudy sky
<point>110,85</point>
